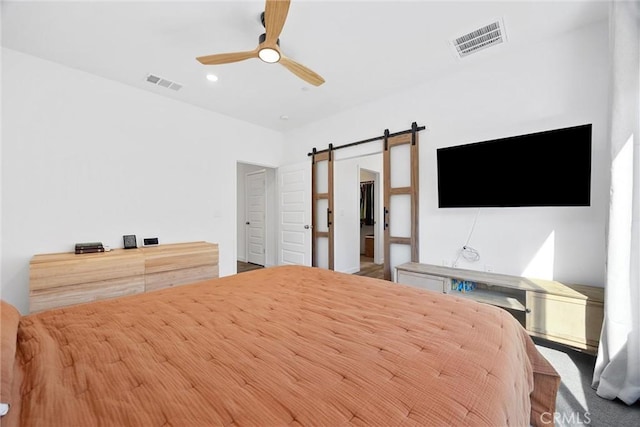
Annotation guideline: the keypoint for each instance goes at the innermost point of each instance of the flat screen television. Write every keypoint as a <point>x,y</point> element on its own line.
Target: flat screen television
<point>550,168</point>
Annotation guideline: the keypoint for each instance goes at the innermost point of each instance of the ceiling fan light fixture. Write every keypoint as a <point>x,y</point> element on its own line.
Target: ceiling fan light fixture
<point>269,55</point>
<point>268,50</point>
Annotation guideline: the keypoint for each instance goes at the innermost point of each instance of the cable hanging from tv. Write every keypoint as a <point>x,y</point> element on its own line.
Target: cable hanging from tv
<point>467,252</point>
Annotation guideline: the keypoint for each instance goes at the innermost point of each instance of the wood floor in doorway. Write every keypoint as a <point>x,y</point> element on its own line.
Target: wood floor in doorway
<point>369,269</point>
<point>247,266</point>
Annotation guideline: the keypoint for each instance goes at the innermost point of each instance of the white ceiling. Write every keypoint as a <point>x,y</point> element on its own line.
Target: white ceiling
<point>363,49</point>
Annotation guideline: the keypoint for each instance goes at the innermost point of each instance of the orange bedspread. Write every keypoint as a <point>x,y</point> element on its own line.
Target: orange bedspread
<point>280,346</point>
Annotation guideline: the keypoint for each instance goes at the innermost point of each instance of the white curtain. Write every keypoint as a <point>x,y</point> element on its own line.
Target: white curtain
<point>617,371</point>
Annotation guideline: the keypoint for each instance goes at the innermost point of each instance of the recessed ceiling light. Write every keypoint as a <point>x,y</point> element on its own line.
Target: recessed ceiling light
<point>284,117</point>
<point>212,77</point>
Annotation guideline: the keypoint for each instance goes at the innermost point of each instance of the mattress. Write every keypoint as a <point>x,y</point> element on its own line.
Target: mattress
<point>287,345</point>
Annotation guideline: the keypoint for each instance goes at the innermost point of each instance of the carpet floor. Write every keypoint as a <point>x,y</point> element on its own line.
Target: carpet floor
<point>577,403</point>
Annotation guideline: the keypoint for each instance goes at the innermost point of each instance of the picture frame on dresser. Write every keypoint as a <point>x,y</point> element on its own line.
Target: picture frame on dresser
<point>129,241</point>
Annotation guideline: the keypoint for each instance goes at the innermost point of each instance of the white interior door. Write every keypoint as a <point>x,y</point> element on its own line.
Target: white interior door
<point>255,190</point>
<point>294,188</point>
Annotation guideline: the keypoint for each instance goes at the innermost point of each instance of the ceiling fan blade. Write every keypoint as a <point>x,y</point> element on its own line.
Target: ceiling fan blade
<point>301,71</point>
<point>225,58</point>
<point>275,14</point>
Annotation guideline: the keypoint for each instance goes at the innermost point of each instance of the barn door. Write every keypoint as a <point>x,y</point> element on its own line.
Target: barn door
<point>322,209</point>
<point>400,163</point>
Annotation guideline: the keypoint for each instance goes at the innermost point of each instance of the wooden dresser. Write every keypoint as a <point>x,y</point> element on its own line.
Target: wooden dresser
<point>62,279</point>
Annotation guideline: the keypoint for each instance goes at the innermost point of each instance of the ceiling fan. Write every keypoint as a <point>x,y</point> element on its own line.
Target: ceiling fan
<point>268,50</point>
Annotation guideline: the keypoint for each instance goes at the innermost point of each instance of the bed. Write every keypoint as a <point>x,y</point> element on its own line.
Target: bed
<point>287,345</point>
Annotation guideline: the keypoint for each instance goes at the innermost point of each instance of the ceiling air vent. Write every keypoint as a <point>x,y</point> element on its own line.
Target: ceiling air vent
<point>484,37</point>
<point>159,81</point>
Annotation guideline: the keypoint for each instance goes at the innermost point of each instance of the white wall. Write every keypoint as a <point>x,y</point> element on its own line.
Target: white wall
<point>544,86</point>
<point>86,159</point>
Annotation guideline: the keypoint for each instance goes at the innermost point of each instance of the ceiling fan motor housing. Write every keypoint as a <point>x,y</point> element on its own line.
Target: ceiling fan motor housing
<point>263,37</point>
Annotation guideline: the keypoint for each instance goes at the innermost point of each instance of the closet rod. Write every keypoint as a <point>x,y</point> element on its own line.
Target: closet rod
<point>377,138</point>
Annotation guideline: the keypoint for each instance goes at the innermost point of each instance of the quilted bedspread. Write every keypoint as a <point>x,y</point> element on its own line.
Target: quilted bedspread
<point>284,345</point>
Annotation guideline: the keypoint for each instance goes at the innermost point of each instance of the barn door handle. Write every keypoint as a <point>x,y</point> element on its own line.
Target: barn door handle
<point>386,218</point>
<point>329,218</point>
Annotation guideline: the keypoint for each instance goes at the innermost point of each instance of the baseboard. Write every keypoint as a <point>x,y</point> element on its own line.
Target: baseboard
<point>352,270</point>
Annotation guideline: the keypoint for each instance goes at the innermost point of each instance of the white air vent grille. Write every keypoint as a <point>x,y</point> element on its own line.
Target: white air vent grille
<point>484,37</point>
<point>160,81</point>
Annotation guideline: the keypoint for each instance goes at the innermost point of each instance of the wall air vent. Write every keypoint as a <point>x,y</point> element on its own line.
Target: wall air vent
<point>482,38</point>
<point>160,81</point>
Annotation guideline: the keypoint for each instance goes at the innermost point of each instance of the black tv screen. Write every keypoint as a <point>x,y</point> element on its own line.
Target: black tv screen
<point>550,168</point>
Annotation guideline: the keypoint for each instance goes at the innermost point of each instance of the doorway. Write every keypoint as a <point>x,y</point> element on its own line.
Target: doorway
<point>368,191</point>
<point>354,230</point>
<point>255,212</point>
